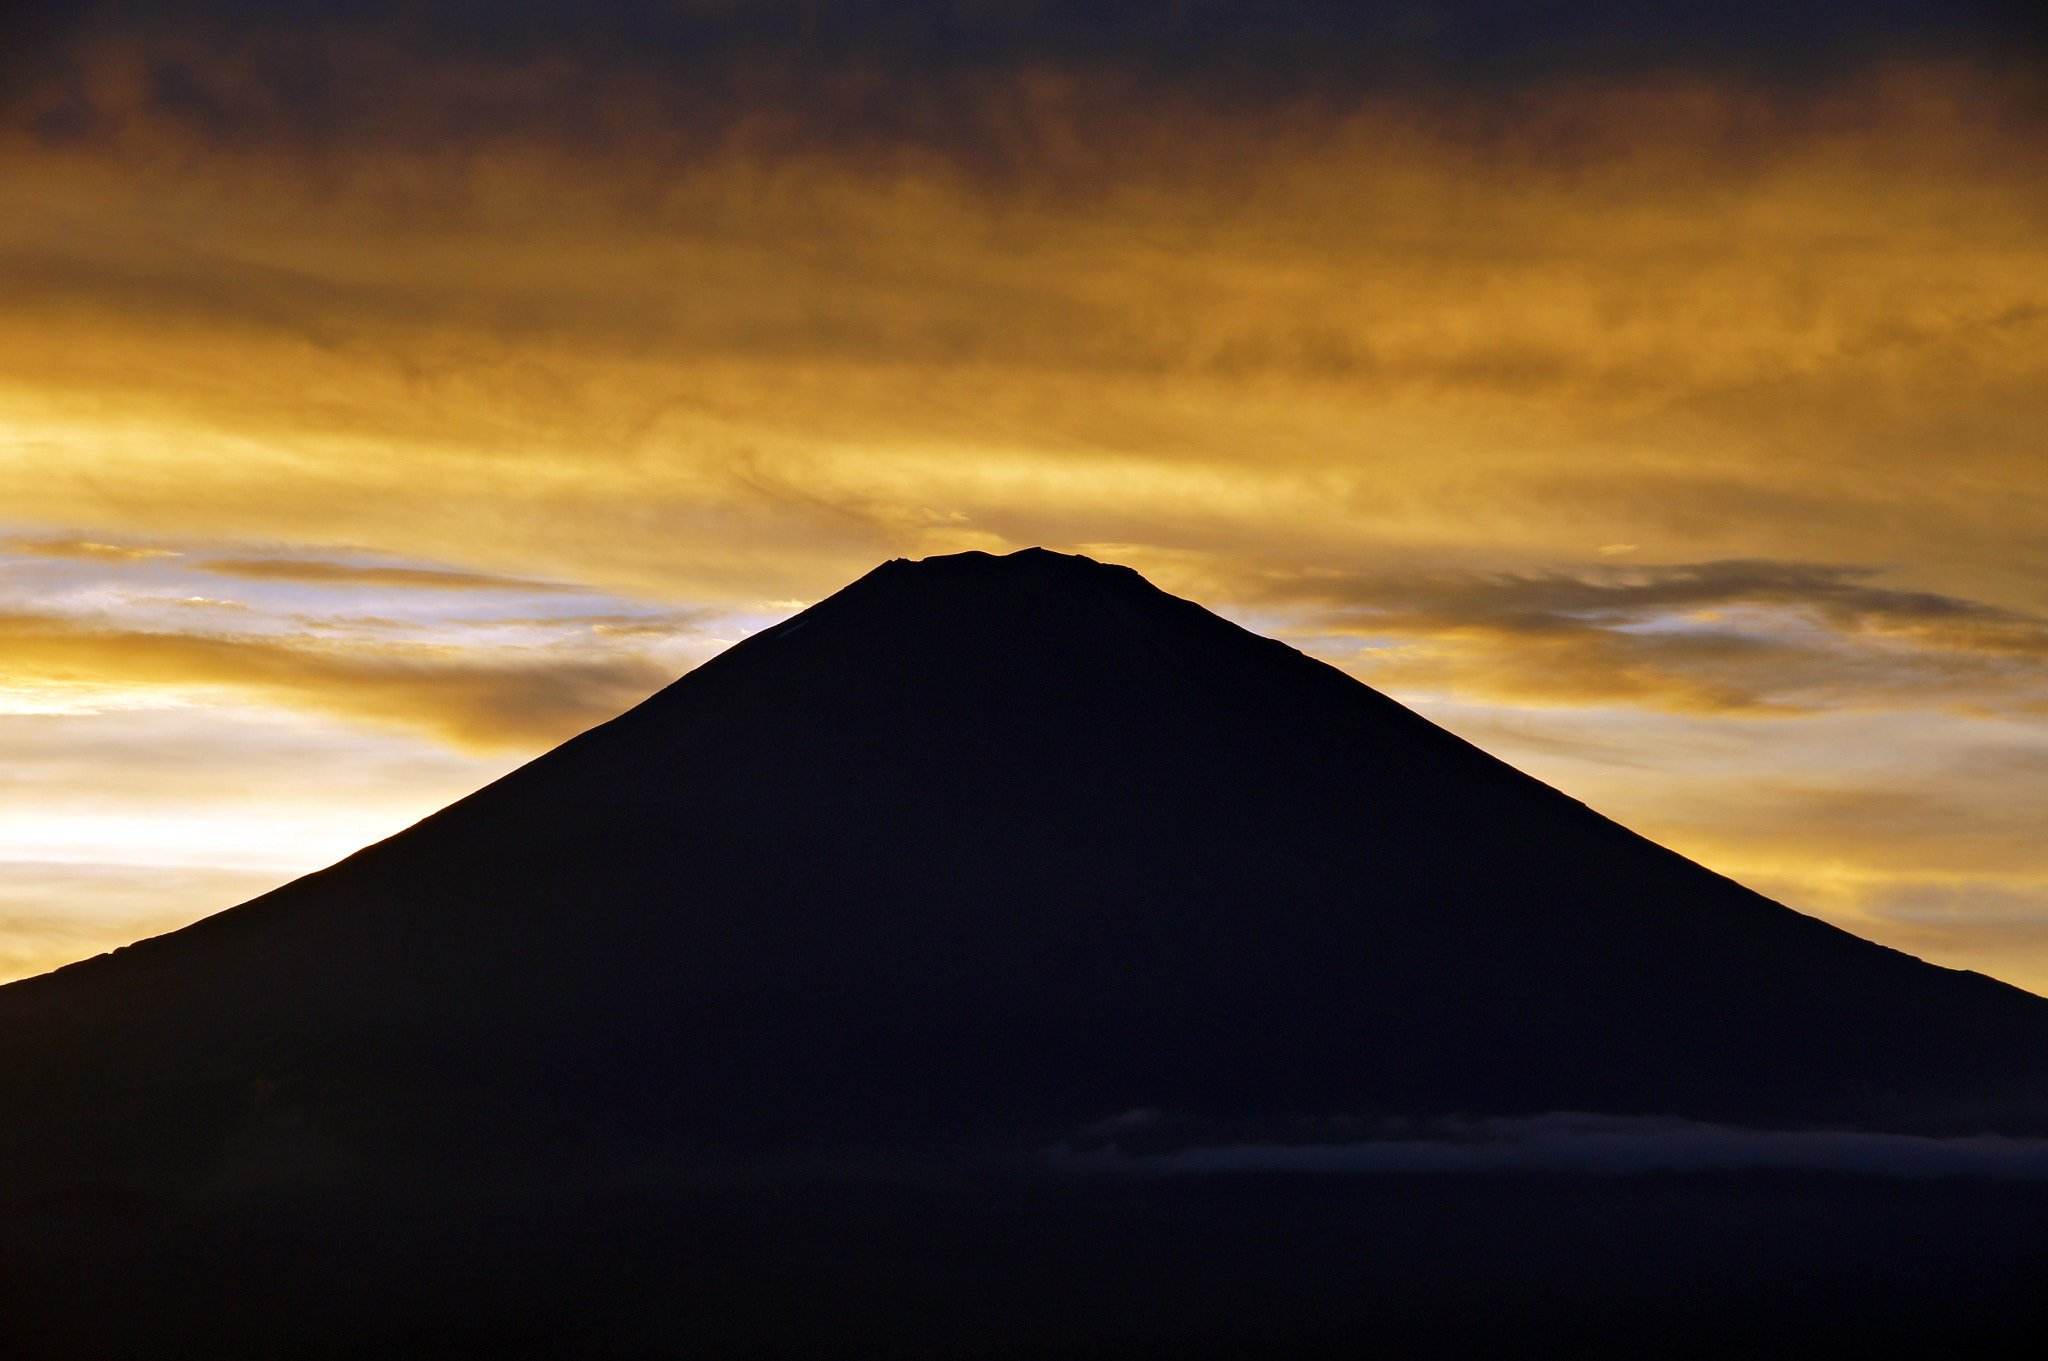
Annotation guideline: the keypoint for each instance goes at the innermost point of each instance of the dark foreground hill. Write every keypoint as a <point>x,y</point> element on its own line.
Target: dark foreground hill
<point>732,1028</point>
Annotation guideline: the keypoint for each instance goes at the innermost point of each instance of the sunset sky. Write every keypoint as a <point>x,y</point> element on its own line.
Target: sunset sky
<point>1656,396</point>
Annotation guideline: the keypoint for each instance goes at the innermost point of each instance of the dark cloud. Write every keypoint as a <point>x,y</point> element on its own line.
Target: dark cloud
<point>354,574</point>
<point>974,80</point>
<point>1301,38</point>
<point>1615,596</point>
<point>1728,636</point>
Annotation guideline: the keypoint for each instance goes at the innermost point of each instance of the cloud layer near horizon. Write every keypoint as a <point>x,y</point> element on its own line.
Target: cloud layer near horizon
<point>1658,414</point>
<point>1601,1145</point>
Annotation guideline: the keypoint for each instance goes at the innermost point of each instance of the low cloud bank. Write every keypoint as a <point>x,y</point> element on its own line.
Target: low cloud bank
<point>1569,1141</point>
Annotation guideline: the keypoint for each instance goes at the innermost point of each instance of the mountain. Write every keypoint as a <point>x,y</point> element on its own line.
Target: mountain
<point>973,855</point>
<point>991,848</point>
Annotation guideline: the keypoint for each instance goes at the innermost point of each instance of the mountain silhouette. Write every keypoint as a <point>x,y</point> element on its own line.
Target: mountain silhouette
<point>956,865</point>
<point>986,849</point>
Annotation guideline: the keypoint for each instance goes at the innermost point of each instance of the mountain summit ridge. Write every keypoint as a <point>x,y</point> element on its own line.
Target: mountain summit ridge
<point>980,850</point>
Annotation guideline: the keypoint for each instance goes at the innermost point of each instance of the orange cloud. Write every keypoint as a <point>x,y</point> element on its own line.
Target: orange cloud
<point>351,574</point>
<point>483,704</point>
<point>1682,315</point>
<point>83,549</point>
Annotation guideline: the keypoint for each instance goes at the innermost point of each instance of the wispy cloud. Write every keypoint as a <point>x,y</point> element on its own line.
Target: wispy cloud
<point>499,700</point>
<point>84,549</point>
<point>357,574</point>
<point>1731,637</point>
